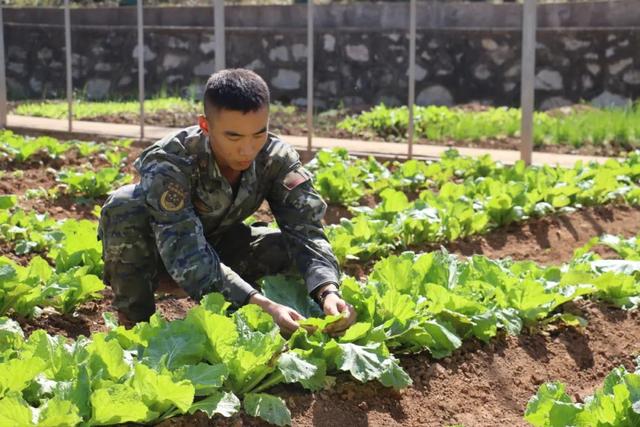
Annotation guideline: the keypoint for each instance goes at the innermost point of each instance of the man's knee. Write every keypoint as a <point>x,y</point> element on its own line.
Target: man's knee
<point>129,252</point>
<point>124,226</point>
<point>253,251</point>
<point>269,250</point>
<point>133,287</point>
<point>124,205</point>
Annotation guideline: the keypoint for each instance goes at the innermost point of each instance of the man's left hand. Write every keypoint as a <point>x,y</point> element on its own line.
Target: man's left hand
<point>334,305</point>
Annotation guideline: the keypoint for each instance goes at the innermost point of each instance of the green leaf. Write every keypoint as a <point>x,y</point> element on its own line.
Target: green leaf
<point>310,373</point>
<point>365,363</point>
<point>118,403</point>
<point>53,349</point>
<point>394,376</point>
<point>11,335</point>
<point>357,331</point>
<point>106,358</point>
<point>59,413</point>
<point>270,408</point>
<point>215,303</point>
<point>160,392</point>
<point>15,412</point>
<point>223,403</point>
<point>320,324</point>
<point>551,407</point>
<point>221,333</point>
<point>204,377</point>
<point>17,374</point>
<point>110,320</point>
<point>177,344</point>
<point>7,201</point>
<point>290,292</point>
<point>77,391</point>
<point>39,269</point>
<point>444,341</point>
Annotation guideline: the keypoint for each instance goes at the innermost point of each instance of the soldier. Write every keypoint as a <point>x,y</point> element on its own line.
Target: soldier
<point>185,217</point>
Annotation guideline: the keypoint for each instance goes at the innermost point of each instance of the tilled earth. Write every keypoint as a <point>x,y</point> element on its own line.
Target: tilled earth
<point>481,384</point>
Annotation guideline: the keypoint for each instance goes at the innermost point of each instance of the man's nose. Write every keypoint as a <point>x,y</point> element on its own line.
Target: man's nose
<point>246,151</point>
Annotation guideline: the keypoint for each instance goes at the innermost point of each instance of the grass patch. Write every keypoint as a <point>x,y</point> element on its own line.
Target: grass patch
<point>580,127</point>
<point>92,110</point>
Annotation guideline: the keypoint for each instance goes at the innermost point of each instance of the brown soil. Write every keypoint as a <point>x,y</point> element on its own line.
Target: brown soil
<point>160,118</point>
<point>6,249</point>
<point>40,173</point>
<point>334,213</point>
<point>88,317</point>
<point>510,143</point>
<point>552,240</point>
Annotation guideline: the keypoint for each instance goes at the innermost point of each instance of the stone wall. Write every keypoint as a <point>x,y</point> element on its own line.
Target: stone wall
<point>361,55</point>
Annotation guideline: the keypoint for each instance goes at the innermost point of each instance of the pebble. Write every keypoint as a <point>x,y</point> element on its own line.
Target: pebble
<point>439,369</point>
<point>536,379</point>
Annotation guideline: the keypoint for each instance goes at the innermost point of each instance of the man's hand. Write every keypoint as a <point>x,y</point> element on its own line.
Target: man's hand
<point>285,317</point>
<point>333,305</point>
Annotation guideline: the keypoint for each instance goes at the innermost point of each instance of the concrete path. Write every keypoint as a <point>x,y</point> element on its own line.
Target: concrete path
<point>391,150</point>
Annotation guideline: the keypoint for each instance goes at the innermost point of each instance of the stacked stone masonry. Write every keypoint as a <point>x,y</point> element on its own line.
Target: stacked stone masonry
<point>354,66</point>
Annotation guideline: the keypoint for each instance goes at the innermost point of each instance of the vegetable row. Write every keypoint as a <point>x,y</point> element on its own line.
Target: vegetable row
<point>219,361</point>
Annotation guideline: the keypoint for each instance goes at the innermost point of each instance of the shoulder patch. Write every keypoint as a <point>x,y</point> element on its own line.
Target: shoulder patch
<point>295,178</point>
<point>172,199</point>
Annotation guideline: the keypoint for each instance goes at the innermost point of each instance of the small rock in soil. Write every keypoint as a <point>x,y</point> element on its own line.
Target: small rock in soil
<point>439,369</point>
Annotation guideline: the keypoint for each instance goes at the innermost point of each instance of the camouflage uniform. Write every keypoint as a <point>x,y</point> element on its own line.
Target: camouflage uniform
<point>183,219</point>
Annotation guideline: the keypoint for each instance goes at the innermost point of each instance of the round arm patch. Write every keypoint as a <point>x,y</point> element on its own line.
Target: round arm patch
<point>173,198</point>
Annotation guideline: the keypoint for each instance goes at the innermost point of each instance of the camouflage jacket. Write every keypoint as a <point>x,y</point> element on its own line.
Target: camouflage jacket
<point>190,202</point>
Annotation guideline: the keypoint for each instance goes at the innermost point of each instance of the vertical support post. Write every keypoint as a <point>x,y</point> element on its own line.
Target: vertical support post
<point>309,76</point>
<point>67,45</point>
<point>412,74</point>
<point>3,75</point>
<point>141,67</point>
<point>527,85</point>
<point>218,28</point>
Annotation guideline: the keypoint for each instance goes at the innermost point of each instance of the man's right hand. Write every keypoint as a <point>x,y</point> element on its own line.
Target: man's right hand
<point>285,317</point>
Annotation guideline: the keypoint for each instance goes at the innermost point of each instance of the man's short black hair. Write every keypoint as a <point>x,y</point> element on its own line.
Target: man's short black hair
<point>235,89</point>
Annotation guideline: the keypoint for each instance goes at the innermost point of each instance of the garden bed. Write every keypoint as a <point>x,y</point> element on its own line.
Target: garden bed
<point>481,383</point>
<point>291,120</point>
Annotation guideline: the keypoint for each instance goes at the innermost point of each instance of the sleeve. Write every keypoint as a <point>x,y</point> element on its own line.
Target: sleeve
<point>298,210</point>
<point>185,252</point>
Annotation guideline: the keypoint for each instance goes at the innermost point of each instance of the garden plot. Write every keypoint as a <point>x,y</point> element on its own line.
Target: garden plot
<point>576,129</point>
<point>441,339</point>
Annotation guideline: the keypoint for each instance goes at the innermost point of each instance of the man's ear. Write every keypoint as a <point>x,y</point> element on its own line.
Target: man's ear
<point>202,122</point>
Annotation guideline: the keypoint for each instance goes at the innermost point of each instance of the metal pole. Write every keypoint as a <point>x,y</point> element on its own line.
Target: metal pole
<point>528,78</point>
<point>67,44</point>
<point>218,27</point>
<point>412,73</point>
<point>3,76</point>
<point>141,67</point>
<point>309,76</point>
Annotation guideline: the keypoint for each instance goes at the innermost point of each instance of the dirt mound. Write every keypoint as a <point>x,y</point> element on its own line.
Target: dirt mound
<point>551,239</point>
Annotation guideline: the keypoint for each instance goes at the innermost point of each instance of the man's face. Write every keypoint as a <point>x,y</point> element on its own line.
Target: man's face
<point>236,138</point>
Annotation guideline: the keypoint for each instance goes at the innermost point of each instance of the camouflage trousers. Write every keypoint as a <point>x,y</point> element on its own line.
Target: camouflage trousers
<point>132,264</point>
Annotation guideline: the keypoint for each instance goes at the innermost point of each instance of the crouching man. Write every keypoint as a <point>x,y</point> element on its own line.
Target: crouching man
<point>185,218</point>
